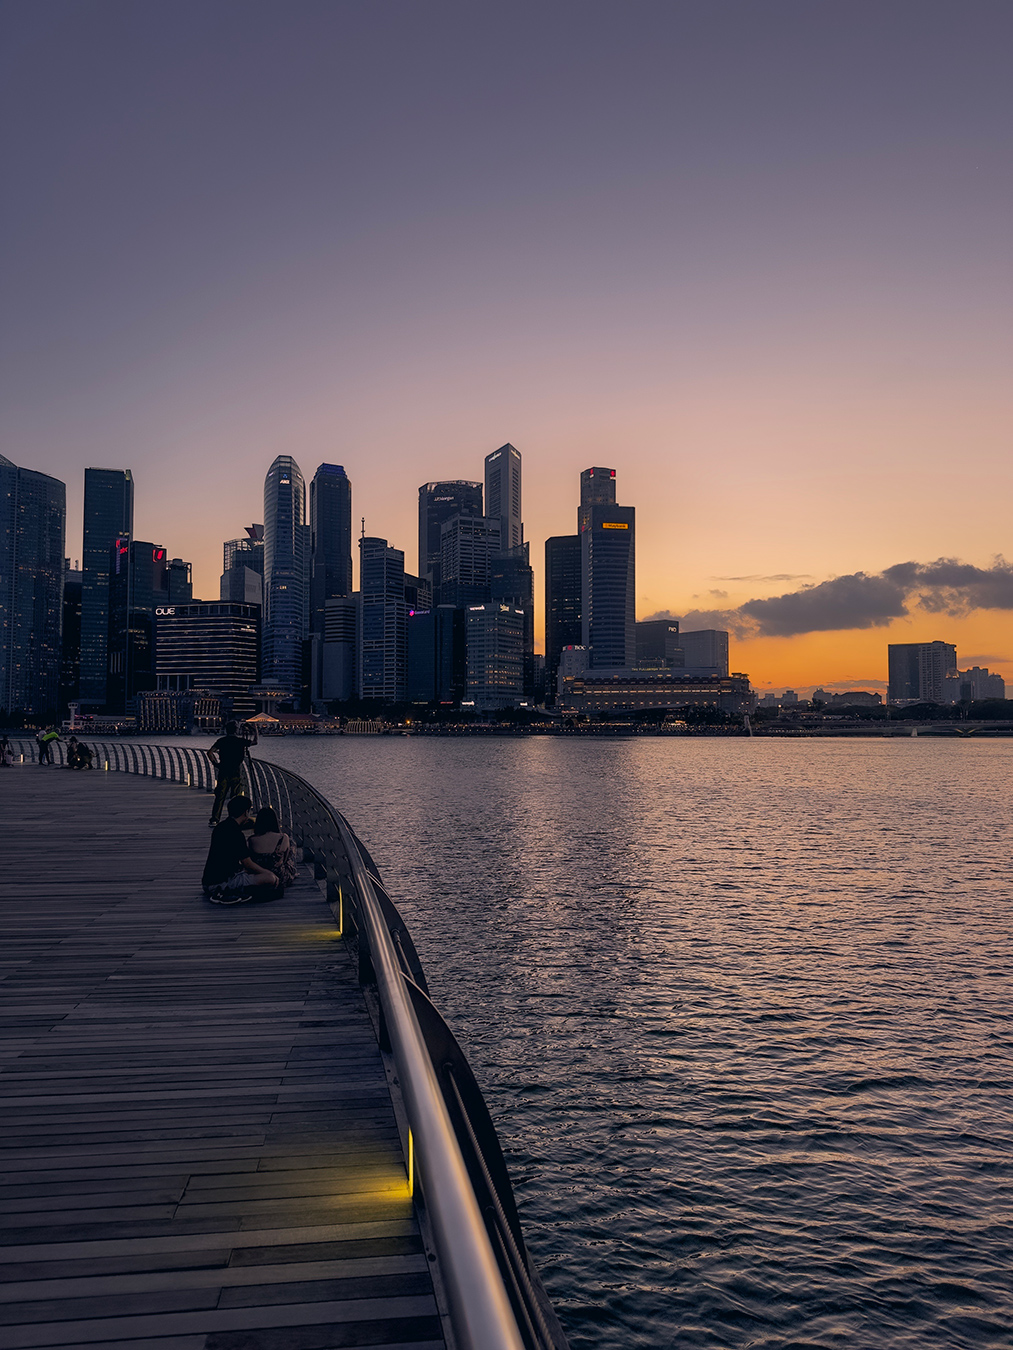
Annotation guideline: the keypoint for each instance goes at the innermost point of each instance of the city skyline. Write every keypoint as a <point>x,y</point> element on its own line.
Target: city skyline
<point>775,302</point>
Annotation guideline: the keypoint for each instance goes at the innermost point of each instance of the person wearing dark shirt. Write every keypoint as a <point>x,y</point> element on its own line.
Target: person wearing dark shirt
<point>230,874</point>
<point>227,755</point>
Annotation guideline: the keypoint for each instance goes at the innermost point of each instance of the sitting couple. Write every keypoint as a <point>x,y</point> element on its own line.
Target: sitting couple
<point>240,868</point>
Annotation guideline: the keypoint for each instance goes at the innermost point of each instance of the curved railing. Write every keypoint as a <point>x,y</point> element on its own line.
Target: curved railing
<point>495,1296</point>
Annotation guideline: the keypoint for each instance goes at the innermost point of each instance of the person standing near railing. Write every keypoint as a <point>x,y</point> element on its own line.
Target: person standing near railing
<point>227,755</point>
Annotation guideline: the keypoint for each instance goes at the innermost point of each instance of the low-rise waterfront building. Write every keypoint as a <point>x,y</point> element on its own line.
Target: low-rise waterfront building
<point>636,691</point>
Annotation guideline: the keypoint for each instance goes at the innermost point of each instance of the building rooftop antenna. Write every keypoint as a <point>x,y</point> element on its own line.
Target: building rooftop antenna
<point>363,535</point>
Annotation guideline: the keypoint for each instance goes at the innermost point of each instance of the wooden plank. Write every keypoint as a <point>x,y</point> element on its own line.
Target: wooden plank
<point>198,1150</point>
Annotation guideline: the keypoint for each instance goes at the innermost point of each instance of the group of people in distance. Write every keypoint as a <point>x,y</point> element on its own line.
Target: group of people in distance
<point>250,858</point>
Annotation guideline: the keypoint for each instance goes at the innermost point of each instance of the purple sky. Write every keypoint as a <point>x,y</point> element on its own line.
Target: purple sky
<point>754,255</point>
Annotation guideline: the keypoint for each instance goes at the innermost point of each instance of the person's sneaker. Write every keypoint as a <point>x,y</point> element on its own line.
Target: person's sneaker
<point>212,824</point>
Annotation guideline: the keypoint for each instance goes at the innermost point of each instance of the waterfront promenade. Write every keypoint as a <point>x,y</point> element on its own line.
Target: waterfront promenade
<point>197,1148</point>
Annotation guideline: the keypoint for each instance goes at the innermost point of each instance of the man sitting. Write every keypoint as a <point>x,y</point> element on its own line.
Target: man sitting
<point>230,874</point>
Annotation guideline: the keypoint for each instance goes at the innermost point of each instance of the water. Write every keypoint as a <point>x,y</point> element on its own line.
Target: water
<point>740,1010</point>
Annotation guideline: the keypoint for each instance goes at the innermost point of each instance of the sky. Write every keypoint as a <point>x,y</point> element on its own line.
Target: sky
<point>753,254</point>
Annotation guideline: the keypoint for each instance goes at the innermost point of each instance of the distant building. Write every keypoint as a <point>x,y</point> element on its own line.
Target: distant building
<point>418,592</point>
<point>512,582</point>
<point>70,642</point>
<point>33,519</point>
<point>495,645</point>
<point>974,684</point>
<point>179,581</point>
<point>436,660</point>
<point>658,644</point>
<point>850,698</point>
<point>209,648</point>
<point>917,671</point>
<point>382,618</point>
<point>608,585</point>
<point>705,648</point>
<point>108,516</point>
<point>330,539</point>
<point>138,586</point>
<point>340,655</point>
<point>242,580</point>
<point>597,692</point>
<point>438,503</point>
<point>597,488</point>
<point>574,662</point>
<point>286,575</point>
<point>469,544</point>
<point>503,494</point>
<point>562,602</point>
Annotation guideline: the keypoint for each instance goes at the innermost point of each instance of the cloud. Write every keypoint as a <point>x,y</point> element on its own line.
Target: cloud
<point>865,600</point>
<point>777,576</point>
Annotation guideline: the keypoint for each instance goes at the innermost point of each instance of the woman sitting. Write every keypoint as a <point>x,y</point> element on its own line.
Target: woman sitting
<point>271,848</point>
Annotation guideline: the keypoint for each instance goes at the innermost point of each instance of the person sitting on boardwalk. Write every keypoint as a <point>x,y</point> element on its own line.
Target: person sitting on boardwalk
<point>72,749</point>
<point>227,755</point>
<point>84,757</point>
<point>6,753</point>
<point>230,873</point>
<point>272,848</point>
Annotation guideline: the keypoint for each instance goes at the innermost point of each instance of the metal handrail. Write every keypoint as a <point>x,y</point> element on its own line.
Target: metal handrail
<point>495,1297</point>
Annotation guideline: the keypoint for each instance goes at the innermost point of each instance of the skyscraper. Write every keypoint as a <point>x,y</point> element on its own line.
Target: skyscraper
<point>242,580</point>
<point>495,644</point>
<point>503,494</point>
<point>331,539</point>
<point>209,647</point>
<point>286,559</point>
<point>563,627</point>
<point>512,582</point>
<point>438,503</point>
<point>469,544</point>
<point>33,519</point>
<point>597,488</point>
<point>608,573</point>
<point>108,514</point>
<point>138,588</point>
<point>918,671</point>
<point>381,621</point>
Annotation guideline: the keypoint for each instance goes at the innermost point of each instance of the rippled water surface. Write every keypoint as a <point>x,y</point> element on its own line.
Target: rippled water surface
<point>740,1009</point>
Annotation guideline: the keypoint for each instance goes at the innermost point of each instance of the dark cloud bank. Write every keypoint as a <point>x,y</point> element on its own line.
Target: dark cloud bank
<point>862,600</point>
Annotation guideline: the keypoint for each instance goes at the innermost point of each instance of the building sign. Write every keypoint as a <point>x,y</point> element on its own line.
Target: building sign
<point>161,611</point>
<point>158,555</point>
<point>614,525</point>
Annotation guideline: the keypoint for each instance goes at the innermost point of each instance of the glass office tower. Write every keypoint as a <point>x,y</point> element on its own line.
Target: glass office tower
<point>562,602</point>
<point>608,577</point>
<point>503,494</point>
<point>438,503</point>
<point>382,615</point>
<point>286,565</point>
<point>33,520</point>
<point>331,539</point>
<point>108,514</point>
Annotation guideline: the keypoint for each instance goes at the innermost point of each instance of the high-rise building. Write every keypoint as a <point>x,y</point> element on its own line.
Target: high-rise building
<point>286,564</point>
<point>242,580</point>
<point>331,538</point>
<point>512,582</point>
<point>438,503</point>
<point>597,488</point>
<point>70,642</point>
<point>179,581</point>
<point>503,494</point>
<point>108,515</point>
<point>33,520</point>
<point>918,671</point>
<point>976,683</point>
<point>495,644</point>
<point>705,649</point>
<point>563,626</point>
<point>381,621</point>
<point>469,544</point>
<point>339,661</point>
<point>209,647</point>
<point>608,578</point>
<point>436,656</point>
<point>658,644</point>
<point>138,587</point>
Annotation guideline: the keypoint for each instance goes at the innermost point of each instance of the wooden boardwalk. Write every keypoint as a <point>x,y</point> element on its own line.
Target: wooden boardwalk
<point>197,1145</point>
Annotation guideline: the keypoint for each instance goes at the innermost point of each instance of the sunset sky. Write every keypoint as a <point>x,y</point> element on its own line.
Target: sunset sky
<point>753,255</point>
